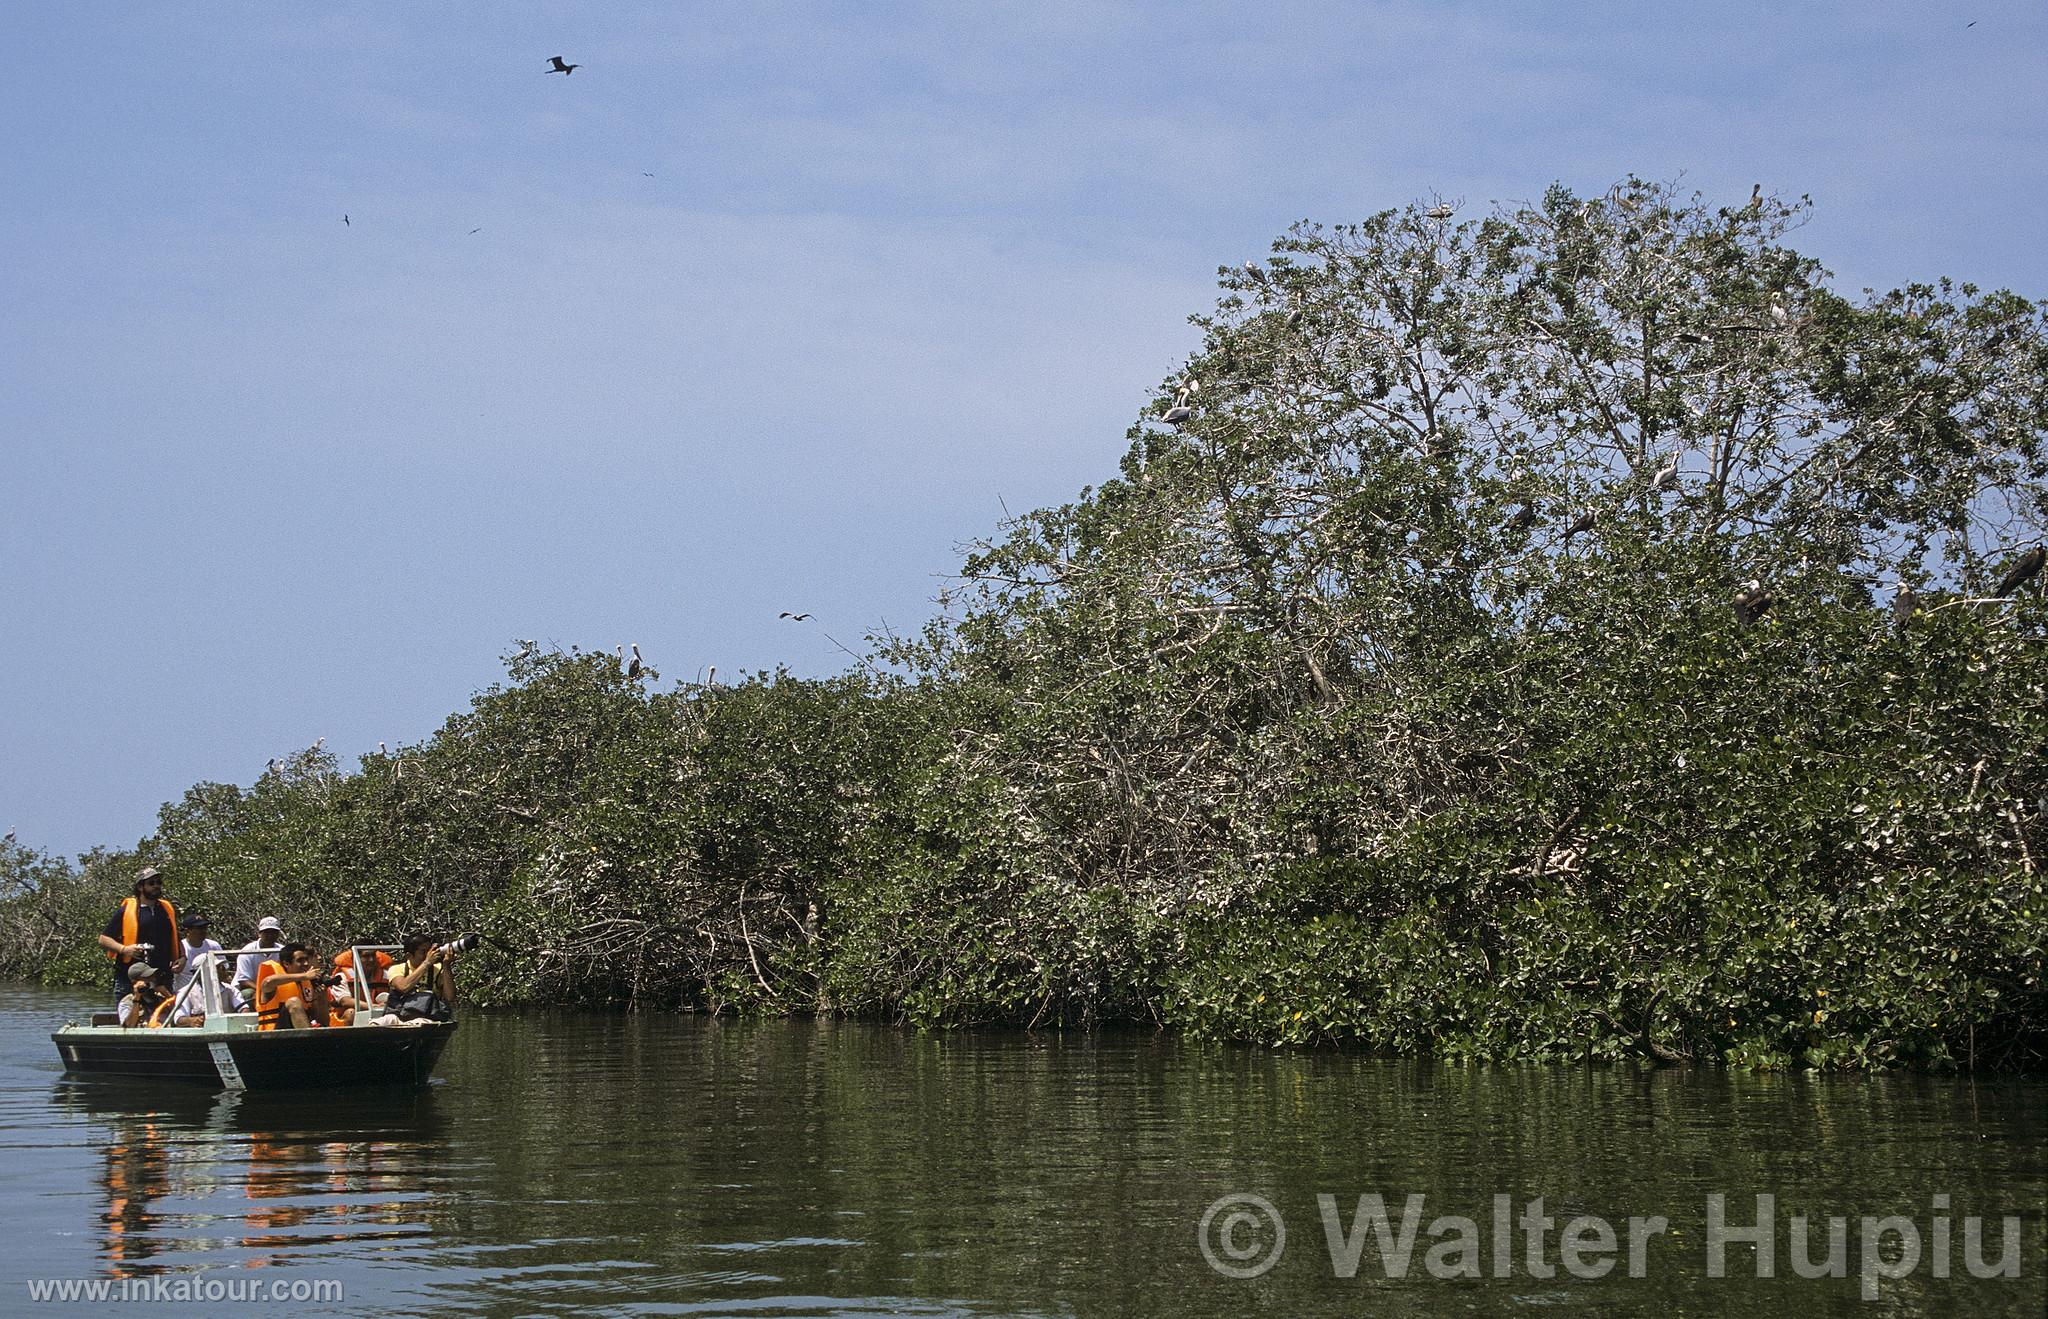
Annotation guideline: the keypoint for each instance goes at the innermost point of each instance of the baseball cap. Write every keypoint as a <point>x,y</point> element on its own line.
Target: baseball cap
<point>269,923</point>
<point>141,971</point>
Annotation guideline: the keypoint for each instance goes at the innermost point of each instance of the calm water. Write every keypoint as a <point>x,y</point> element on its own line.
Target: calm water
<point>566,1162</point>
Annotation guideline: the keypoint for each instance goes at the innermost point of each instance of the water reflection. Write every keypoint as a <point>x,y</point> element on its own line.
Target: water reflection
<point>274,1180</point>
<point>655,1165</point>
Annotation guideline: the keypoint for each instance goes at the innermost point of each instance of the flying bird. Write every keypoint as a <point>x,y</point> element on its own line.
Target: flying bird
<point>645,175</point>
<point>2021,572</point>
<point>476,231</point>
<point>633,669</point>
<point>794,618</point>
<point>344,220</point>
<point>561,67</point>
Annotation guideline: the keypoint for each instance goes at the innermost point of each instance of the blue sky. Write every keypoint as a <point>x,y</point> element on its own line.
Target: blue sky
<point>269,478</point>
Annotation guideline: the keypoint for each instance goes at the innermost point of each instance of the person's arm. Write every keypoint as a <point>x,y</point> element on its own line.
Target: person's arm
<point>444,984</point>
<point>109,939</point>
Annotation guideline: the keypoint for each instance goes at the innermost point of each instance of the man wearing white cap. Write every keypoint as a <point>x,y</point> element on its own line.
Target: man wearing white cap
<point>269,938</point>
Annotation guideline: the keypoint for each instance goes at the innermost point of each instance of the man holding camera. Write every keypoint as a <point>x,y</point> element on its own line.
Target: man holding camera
<point>291,991</point>
<point>421,985</point>
<point>143,931</point>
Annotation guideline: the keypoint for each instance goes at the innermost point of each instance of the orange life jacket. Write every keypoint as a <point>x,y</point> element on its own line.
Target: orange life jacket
<point>376,971</point>
<point>130,921</point>
<point>271,1007</point>
<point>163,1010</point>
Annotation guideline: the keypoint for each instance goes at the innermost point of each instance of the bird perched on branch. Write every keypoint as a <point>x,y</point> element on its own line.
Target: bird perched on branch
<point>560,67</point>
<point>1752,602</point>
<point>1582,523</point>
<point>1904,603</point>
<point>633,670</point>
<point>1666,476</point>
<point>1440,211</point>
<point>2021,572</point>
<point>1756,198</point>
<point>1779,315</point>
<point>1523,519</point>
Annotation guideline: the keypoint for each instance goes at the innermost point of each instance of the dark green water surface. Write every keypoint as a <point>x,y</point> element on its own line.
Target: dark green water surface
<point>661,1165</point>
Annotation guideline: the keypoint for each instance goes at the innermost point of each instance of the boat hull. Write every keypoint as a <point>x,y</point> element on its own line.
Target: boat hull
<point>257,1060</point>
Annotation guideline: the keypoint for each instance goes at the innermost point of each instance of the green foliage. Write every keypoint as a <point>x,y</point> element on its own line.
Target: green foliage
<point>1565,634</point>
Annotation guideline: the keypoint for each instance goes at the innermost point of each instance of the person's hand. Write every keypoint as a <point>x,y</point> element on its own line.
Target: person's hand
<point>178,962</point>
<point>131,950</point>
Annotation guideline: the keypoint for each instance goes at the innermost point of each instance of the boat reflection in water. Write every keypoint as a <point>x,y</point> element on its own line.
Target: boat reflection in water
<point>255,1180</point>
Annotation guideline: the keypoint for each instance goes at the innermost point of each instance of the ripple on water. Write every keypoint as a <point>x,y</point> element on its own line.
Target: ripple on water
<point>656,1165</point>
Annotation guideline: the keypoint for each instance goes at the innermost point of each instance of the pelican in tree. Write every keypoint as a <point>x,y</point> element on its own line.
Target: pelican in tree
<point>634,669</point>
<point>1666,476</point>
<point>1440,211</point>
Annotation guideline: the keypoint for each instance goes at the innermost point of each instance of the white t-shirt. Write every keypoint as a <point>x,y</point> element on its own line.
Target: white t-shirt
<point>189,1001</point>
<point>191,953</point>
<point>251,957</point>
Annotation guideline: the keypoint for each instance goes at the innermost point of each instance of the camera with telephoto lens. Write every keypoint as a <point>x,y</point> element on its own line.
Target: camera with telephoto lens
<point>461,945</point>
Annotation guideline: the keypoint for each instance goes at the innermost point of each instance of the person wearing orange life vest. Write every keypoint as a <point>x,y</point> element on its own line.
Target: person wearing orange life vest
<point>376,970</point>
<point>283,991</point>
<point>143,929</point>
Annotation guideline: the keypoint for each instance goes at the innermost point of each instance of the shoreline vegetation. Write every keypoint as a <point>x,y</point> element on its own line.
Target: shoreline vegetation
<point>1573,632</point>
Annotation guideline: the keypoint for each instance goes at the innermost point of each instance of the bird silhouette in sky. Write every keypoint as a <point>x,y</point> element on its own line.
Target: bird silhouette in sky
<point>794,618</point>
<point>476,231</point>
<point>561,67</point>
<point>344,220</point>
<point>645,175</point>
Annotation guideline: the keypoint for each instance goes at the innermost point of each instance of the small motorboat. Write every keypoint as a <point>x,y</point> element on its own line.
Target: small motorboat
<point>227,1051</point>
